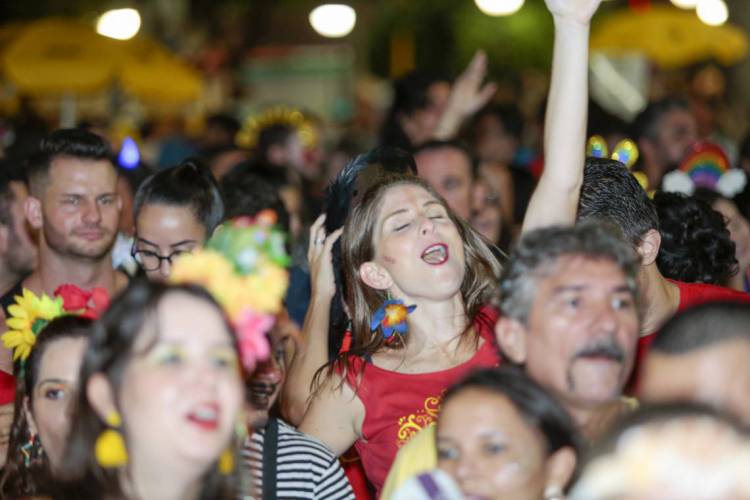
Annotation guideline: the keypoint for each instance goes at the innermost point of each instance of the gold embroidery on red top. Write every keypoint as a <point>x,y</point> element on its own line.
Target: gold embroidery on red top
<point>409,425</point>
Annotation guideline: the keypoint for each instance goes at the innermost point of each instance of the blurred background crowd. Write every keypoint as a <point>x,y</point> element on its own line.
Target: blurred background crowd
<point>226,81</point>
<point>248,112</point>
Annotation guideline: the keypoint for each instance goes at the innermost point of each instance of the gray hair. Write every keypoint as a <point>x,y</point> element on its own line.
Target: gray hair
<point>539,251</point>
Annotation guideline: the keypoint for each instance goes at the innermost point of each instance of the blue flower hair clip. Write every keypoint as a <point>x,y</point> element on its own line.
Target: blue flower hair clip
<point>391,318</point>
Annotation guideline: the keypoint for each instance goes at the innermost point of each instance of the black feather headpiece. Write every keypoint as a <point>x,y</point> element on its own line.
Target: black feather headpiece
<point>344,193</point>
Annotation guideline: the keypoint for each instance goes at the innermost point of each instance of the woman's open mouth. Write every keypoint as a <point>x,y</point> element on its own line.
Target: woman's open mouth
<point>436,254</point>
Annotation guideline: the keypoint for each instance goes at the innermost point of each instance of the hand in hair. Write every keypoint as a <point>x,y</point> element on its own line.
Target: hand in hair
<point>468,95</point>
<point>319,255</point>
<point>312,351</point>
<point>555,200</point>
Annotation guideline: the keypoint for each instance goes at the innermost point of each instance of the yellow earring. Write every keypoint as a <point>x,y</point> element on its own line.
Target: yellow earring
<point>226,462</point>
<point>110,446</point>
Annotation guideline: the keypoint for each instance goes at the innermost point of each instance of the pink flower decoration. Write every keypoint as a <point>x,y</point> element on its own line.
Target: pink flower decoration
<point>251,330</point>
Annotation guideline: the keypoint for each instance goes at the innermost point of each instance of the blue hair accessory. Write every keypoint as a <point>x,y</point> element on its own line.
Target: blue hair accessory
<point>391,318</point>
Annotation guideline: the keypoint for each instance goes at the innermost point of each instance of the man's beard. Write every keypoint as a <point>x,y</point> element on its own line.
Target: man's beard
<point>62,245</point>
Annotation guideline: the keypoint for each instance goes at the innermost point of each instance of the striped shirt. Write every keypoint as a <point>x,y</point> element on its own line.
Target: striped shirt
<point>305,467</point>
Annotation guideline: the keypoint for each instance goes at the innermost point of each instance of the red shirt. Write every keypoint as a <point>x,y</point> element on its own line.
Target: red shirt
<point>691,295</point>
<point>398,405</point>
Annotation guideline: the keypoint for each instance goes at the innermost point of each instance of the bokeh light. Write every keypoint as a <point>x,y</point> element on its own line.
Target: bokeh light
<point>121,24</point>
<point>685,4</point>
<point>499,7</point>
<point>712,12</point>
<point>129,156</point>
<point>333,20</point>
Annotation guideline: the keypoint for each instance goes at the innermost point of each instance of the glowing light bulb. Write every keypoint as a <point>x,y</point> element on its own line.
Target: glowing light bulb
<point>499,7</point>
<point>712,12</point>
<point>121,24</point>
<point>333,20</point>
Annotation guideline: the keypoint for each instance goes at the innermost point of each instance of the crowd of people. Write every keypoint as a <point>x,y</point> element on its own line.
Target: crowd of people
<point>456,322</point>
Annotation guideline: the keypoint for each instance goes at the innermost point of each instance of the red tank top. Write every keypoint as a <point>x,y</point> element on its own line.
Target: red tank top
<point>398,405</point>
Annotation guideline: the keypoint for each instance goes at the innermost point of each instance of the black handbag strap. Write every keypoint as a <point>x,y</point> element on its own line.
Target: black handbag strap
<point>270,447</point>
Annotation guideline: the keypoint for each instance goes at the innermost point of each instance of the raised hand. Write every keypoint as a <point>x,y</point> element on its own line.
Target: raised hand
<point>580,11</point>
<point>320,257</point>
<point>468,95</point>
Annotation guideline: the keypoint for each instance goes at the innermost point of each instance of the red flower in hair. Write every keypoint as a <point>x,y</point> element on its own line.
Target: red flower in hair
<point>81,302</point>
<point>73,297</point>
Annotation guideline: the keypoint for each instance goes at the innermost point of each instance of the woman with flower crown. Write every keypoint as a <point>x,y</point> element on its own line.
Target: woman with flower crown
<point>47,336</point>
<point>47,386</point>
<point>160,400</point>
<point>417,280</point>
<point>159,415</point>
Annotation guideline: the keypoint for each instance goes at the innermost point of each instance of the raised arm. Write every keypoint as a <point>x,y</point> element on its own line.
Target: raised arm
<point>555,199</point>
<point>312,352</point>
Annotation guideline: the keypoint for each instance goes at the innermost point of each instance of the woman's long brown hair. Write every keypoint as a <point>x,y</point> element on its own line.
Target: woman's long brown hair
<point>357,247</point>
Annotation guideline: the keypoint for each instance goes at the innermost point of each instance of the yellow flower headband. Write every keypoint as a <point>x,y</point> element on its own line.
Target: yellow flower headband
<point>28,316</point>
<point>247,137</point>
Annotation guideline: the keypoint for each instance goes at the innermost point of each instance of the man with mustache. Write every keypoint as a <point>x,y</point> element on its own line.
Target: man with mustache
<point>569,316</point>
<point>74,207</point>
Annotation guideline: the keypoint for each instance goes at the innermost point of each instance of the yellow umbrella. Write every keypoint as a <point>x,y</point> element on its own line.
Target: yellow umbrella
<point>669,36</point>
<point>61,56</point>
<point>150,72</point>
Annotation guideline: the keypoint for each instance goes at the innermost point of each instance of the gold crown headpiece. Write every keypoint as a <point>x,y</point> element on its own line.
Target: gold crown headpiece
<point>248,135</point>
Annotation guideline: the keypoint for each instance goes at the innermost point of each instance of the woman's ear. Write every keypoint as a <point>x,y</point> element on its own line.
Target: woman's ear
<point>375,276</point>
<point>560,467</point>
<point>100,395</point>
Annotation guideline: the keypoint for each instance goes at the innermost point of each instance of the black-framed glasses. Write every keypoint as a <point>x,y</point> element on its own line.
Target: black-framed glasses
<point>151,261</point>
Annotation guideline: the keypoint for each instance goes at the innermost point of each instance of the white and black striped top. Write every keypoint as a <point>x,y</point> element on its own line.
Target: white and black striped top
<point>305,467</point>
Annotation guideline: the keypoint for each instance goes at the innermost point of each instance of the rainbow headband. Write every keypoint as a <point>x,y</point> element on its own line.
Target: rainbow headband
<point>706,166</point>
